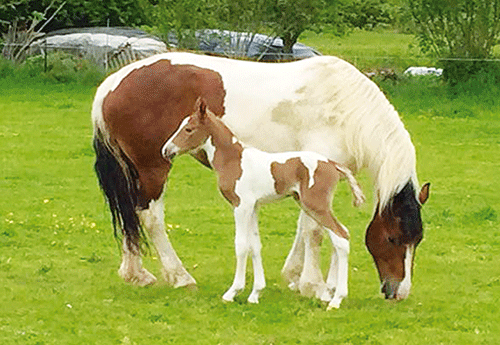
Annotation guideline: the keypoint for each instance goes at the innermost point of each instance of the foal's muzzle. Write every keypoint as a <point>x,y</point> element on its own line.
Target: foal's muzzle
<point>168,151</point>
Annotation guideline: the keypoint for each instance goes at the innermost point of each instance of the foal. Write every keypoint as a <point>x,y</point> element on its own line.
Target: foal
<point>248,177</point>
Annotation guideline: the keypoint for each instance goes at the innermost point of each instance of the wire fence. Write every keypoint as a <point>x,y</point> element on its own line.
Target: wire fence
<point>112,58</point>
<point>106,57</point>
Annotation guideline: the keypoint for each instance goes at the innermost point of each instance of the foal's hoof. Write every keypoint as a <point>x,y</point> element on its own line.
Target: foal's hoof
<point>229,296</point>
<point>334,304</point>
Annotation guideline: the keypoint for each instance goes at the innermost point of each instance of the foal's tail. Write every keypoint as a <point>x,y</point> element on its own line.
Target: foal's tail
<point>118,179</point>
<point>359,197</point>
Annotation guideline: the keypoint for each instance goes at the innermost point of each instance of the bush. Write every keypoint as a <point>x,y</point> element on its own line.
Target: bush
<point>59,67</point>
<point>6,68</point>
<point>463,31</point>
<point>369,14</point>
<point>476,71</point>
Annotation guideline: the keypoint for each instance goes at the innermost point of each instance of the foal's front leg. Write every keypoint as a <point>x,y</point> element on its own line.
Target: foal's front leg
<point>259,280</point>
<point>245,219</point>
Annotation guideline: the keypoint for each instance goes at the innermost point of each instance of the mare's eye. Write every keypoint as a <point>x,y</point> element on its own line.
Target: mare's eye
<point>188,130</point>
<point>393,240</point>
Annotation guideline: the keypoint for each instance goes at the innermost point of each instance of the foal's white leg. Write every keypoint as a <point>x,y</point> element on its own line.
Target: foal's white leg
<point>311,281</point>
<point>243,219</point>
<point>259,280</point>
<point>131,269</point>
<point>153,220</point>
<point>331,281</point>
<point>342,252</point>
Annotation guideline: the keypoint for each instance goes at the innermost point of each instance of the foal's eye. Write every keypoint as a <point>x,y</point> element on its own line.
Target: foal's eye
<point>188,130</point>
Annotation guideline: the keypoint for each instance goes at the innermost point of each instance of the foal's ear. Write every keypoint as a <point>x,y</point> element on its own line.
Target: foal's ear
<point>201,108</point>
<point>424,193</point>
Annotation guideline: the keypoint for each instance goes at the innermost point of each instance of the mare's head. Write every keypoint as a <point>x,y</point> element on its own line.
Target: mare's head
<point>392,237</point>
<point>191,134</point>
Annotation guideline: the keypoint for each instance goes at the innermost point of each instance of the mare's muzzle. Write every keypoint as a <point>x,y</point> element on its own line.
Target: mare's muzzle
<point>390,288</point>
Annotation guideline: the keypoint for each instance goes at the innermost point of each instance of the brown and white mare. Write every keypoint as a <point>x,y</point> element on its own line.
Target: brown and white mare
<point>248,177</point>
<point>321,104</point>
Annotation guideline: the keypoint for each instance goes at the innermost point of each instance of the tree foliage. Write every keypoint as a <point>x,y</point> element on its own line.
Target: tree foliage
<point>458,29</point>
<point>76,13</point>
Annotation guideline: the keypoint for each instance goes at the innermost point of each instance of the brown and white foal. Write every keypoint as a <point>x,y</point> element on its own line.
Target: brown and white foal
<point>248,177</point>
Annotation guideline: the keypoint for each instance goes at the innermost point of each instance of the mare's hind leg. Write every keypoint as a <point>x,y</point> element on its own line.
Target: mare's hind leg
<point>131,269</point>
<point>153,219</point>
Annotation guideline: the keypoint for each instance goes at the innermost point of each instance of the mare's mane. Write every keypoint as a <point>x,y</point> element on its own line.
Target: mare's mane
<point>406,208</point>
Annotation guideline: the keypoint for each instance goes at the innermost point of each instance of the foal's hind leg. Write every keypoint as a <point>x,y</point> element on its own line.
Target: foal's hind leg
<point>152,219</point>
<point>332,279</point>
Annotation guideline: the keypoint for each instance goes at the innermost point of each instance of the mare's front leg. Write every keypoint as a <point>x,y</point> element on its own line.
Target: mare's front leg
<point>243,219</point>
<point>294,263</point>
<point>302,267</point>
<point>153,219</point>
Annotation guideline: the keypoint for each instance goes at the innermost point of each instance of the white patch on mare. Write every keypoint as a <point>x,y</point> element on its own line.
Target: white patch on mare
<point>405,286</point>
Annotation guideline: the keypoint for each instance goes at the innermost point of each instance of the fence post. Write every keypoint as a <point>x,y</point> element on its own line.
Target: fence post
<point>46,56</point>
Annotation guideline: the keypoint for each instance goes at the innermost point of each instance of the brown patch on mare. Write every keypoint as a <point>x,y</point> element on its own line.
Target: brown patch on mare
<point>147,108</point>
<point>382,241</point>
<point>316,200</point>
<point>227,158</point>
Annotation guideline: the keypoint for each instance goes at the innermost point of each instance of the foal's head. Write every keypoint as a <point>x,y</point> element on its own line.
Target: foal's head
<point>192,132</point>
<point>392,238</point>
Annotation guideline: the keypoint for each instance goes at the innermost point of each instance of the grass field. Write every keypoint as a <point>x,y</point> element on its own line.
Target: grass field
<point>58,259</point>
<point>370,49</point>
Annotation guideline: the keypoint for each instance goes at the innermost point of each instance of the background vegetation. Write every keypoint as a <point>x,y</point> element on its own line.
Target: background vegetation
<point>58,259</point>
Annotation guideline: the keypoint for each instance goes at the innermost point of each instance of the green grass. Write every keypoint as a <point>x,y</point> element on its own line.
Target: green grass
<point>370,49</point>
<point>58,259</point>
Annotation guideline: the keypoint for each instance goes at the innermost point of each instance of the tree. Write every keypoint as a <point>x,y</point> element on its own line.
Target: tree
<point>458,29</point>
<point>76,13</point>
<point>289,18</point>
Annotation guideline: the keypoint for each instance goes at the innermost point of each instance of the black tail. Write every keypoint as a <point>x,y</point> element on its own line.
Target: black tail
<point>119,183</point>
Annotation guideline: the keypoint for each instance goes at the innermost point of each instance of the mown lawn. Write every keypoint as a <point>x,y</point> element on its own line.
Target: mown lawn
<point>58,258</point>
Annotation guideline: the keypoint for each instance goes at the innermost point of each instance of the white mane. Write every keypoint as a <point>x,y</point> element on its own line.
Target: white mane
<point>373,133</point>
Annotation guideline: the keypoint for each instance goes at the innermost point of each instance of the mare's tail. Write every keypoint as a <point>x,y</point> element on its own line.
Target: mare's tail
<point>118,179</point>
<point>359,197</point>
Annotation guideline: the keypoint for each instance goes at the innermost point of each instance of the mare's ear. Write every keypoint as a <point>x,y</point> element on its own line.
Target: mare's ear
<point>424,193</point>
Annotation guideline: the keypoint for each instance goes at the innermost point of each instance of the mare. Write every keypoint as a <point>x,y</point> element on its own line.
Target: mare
<point>322,104</point>
<point>248,177</point>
